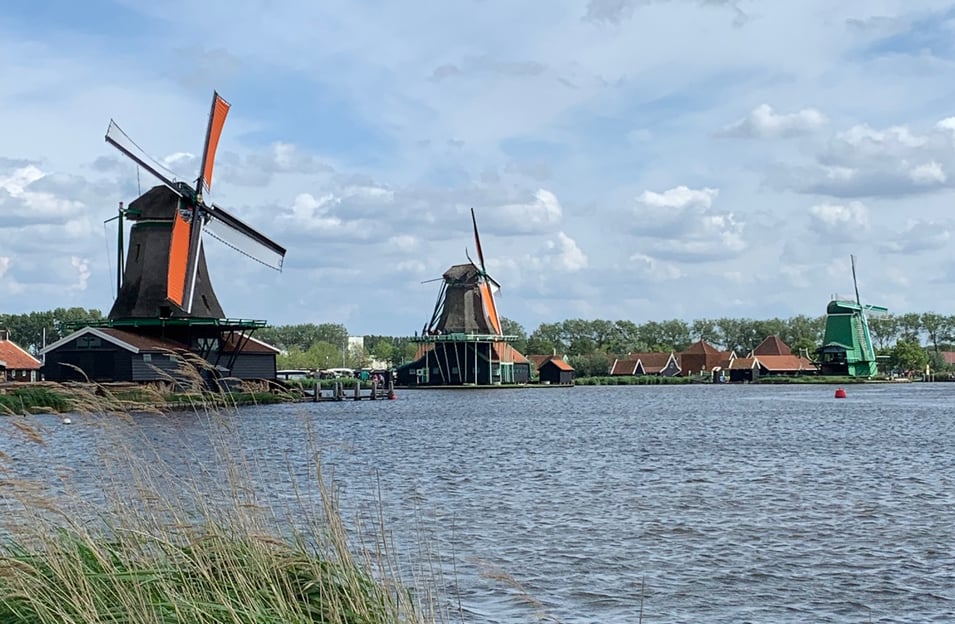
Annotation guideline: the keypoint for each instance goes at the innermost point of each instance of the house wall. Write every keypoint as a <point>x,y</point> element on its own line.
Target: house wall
<point>522,372</point>
<point>744,374</point>
<point>19,374</point>
<point>105,363</point>
<point>154,367</point>
<point>254,366</point>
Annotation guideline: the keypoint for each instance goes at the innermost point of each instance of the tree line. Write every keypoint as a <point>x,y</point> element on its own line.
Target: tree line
<point>589,344</point>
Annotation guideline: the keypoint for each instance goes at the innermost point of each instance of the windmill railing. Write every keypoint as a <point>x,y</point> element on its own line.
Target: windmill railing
<point>463,336</point>
<point>225,323</point>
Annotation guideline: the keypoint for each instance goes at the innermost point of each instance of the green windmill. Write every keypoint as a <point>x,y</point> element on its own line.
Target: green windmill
<point>847,346</point>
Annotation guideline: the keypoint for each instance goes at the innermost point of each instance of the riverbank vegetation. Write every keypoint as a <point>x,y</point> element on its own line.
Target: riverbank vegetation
<point>200,541</point>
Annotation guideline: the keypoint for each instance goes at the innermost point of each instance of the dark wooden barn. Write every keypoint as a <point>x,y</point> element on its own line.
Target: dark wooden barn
<point>108,354</point>
<point>111,354</point>
<point>554,370</point>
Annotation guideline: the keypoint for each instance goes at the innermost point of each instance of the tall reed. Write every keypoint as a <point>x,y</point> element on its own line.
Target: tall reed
<point>159,541</point>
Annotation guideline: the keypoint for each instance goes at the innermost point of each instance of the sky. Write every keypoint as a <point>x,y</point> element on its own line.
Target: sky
<point>626,159</point>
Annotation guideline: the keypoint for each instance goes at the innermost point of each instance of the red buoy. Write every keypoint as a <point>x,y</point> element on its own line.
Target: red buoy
<point>840,393</point>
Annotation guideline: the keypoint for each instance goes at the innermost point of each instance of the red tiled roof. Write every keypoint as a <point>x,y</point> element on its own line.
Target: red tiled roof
<point>702,346</point>
<point>781,363</point>
<point>559,363</point>
<point>624,366</point>
<point>143,343</point>
<point>772,346</point>
<point>742,364</point>
<point>16,358</point>
<point>653,362</point>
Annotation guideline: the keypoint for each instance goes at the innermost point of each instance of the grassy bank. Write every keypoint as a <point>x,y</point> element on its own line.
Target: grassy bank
<point>166,543</point>
<point>54,398</point>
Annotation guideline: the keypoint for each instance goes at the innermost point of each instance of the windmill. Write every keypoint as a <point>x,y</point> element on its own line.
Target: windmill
<point>847,344</point>
<point>463,343</point>
<point>165,271</point>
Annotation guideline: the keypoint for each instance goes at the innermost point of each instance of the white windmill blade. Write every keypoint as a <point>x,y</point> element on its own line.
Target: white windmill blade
<point>244,238</point>
<point>121,141</point>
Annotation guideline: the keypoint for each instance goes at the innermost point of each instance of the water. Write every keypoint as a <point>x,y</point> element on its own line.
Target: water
<point>690,504</point>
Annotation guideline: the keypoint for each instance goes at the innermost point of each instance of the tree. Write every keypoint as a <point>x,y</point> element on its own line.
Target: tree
<point>705,329</point>
<point>936,327</point>
<point>910,326</point>
<point>29,330</point>
<point>546,339</point>
<point>908,355</point>
<point>513,328</point>
<point>594,364</point>
<point>675,335</point>
<point>304,335</point>
<point>883,328</point>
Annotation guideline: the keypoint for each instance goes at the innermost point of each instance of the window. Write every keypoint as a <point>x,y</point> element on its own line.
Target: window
<point>88,342</point>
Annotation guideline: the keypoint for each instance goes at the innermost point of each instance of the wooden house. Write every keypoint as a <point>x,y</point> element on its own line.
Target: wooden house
<point>662,364</point>
<point>111,354</point>
<point>772,357</point>
<point>640,364</point>
<point>16,364</point>
<point>254,358</point>
<point>556,371</point>
<point>702,358</point>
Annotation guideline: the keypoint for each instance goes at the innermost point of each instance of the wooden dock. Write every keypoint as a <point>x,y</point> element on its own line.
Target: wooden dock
<point>339,392</point>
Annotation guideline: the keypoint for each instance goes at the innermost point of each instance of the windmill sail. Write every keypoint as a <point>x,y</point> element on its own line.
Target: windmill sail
<point>241,237</point>
<point>488,286</point>
<point>220,109</point>
<point>121,141</point>
<point>217,115</point>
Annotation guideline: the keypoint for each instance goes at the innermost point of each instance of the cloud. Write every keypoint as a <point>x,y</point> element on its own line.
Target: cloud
<point>839,222</point>
<point>918,237</point>
<point>569,255</point>
<point>679,225</point>
<point>540,215</point>
<point>764,123</point>
<point>863,161</point>
<point>652,269</point>
<point>82,267</point>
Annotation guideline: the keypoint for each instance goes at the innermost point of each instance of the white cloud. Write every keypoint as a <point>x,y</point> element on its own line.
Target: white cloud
<point>679,198</point>
<point>82,267</point>
<point>679,224</point>
<point>571,257</point>
<point>919,236</point>
<point>652,269</point>
<point>928,173</point>
<point>542,214</point>
<point>763,122</point>
<point>842,221</point>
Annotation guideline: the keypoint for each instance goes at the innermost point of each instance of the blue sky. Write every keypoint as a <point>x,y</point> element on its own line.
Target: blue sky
<point>627,159</point>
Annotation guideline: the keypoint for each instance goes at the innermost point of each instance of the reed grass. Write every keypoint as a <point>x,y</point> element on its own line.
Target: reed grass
<point>159,543</point>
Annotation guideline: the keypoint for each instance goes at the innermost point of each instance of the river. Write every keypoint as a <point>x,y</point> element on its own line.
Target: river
<point>701,503</point>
